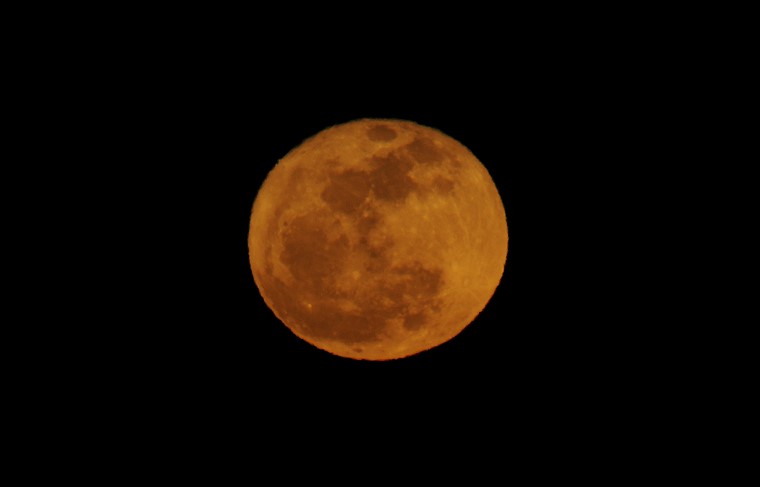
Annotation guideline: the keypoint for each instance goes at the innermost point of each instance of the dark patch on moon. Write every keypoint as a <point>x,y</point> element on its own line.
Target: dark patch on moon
<point>443,185</point>
<point>324,319</point>
<point>313,304</point>
<point>411,284</point>
<point>413,281</point>
<point>424,151</point>
<point>346,191</point>
<point>381,133</point>
<point>367,221</point>
<point>313,301</point>
<point>308,252</point>
<point>375,255</point>
<point>390,179</point>
<point>414,321</point>
<point>327,320</point>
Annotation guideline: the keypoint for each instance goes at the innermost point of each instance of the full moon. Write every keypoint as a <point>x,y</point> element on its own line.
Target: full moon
<point>378,239</point>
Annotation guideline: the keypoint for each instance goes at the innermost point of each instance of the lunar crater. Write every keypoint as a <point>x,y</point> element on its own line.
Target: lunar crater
<point>424,151</point>
<point>381,133</point>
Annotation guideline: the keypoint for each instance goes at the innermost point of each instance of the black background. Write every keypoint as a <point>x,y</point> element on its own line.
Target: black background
<point>182,131</point>
<point>163,125</point>
<point>212,142</point>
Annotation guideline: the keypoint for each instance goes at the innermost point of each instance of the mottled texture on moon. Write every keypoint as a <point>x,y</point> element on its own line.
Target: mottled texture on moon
<point>378,239</point>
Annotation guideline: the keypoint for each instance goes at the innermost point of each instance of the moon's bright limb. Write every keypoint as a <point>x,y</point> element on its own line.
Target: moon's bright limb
<point>378,239</point>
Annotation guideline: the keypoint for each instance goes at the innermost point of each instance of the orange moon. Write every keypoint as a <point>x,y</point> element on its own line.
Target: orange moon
<point>378,239</point>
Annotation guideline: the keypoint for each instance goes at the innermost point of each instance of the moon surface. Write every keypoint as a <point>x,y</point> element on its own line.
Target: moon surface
<point>378,239</point>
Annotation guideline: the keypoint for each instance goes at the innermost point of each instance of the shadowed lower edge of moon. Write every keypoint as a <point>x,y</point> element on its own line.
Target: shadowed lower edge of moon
<point>316,303</point>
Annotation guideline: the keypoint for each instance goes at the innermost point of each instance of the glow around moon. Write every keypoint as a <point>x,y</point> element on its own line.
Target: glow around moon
<point>378,239</point>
